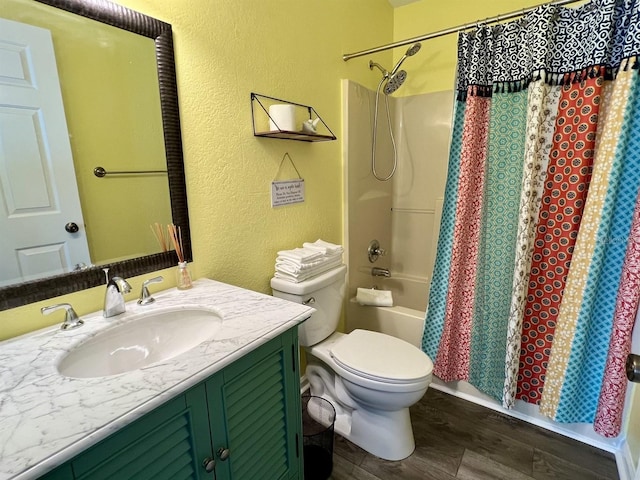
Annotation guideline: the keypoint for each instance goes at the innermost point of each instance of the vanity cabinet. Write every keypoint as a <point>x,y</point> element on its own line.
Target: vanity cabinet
<point>243,422</point>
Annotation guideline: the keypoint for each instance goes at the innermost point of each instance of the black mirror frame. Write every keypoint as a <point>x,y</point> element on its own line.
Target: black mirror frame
<point>121,17</point>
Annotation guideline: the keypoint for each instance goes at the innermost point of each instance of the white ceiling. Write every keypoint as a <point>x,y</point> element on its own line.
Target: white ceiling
<point>399,3</point>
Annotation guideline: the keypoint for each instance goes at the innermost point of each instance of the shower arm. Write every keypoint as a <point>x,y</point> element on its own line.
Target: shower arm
<point>379,67</point>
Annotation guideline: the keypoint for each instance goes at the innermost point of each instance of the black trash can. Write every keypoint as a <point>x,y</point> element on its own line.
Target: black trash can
<point>318,418</point>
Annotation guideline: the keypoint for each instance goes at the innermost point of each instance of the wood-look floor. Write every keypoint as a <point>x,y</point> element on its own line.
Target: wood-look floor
<point>456,439</point>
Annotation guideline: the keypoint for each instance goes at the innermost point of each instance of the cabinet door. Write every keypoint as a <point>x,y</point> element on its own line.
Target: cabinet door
<point>63,472</point>
<point>255,414</point>
<point>169,443</point>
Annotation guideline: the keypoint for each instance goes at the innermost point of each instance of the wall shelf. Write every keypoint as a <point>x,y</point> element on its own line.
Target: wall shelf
<point>261,121</point>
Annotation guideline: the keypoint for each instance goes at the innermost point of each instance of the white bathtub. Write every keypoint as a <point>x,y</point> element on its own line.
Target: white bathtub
<point>408,324</point>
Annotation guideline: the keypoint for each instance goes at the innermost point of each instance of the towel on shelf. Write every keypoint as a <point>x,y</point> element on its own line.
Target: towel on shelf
<point>296,274</point>
<point>301,255</point>
<point>291,266</point>
<point>371,296</point>
<point>300,264</point>
<point>325,247</point>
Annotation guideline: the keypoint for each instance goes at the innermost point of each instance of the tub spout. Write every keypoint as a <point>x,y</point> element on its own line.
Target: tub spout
<point>380,272</point>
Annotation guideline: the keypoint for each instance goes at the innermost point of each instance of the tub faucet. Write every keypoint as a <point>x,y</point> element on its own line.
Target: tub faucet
<point>380,272</point>
<point>114,297</point>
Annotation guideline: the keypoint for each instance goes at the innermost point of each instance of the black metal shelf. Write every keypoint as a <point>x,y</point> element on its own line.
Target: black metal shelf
<point>301,135</point>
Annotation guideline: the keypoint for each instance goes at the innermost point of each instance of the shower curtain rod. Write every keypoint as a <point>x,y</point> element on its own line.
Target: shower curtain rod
<point>448,31</point>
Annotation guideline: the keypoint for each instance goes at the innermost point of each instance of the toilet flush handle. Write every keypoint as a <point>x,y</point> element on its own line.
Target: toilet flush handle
<point>309,301</point>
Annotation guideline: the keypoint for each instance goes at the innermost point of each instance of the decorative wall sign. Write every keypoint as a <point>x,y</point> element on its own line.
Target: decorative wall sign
<point>287,192</point>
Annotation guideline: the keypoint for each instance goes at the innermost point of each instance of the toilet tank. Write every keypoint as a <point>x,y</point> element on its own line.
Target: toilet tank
<point>325,293</point>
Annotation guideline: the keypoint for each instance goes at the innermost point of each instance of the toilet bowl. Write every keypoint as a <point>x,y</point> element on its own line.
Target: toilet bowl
<point>370,378</point>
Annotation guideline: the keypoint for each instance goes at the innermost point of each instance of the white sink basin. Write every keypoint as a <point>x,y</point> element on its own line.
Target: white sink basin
<point>143,340</point>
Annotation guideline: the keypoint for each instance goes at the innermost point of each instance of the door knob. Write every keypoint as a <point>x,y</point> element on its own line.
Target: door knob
<point>71,227</point>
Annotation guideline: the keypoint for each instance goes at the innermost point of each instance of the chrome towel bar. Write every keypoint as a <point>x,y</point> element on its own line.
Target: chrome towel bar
<point>101,172</point>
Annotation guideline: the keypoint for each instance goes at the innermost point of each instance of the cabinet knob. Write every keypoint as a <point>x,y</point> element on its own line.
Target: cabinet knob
<point>223,453</point>
<point>209,464</point>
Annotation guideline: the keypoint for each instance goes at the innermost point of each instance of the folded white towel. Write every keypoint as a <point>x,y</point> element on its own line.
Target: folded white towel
<point>301,277</point>
<point>300,264</point>
<point>371,296</point>
<point>293,273</point>
<point>289,265</point>
<point>301,255</point>
<point>325,247</point>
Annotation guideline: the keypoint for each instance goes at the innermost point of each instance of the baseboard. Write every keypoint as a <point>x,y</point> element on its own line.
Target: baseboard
<point>624,460</point>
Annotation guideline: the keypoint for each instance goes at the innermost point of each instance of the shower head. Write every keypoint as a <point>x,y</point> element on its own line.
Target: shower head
<point>394,82</point>
<point>396,77</point>
<point>411,51</point>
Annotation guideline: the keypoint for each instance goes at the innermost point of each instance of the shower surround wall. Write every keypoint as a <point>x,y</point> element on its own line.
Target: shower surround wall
<point>404,215</point>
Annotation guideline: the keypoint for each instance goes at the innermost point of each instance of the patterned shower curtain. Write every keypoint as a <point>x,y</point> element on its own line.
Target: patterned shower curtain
<point>536,282</point>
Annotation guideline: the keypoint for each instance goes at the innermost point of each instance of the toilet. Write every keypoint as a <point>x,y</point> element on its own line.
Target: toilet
<point>370,378</point>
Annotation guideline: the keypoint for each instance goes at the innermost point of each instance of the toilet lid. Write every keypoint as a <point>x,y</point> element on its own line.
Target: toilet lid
<point>380,356</point>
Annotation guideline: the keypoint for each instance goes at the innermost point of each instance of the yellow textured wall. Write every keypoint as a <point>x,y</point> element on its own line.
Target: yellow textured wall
<point>226,49</point>
<point>632,426</point>
<point>433,68</point>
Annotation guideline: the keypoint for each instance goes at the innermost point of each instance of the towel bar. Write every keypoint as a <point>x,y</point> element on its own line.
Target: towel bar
<point>101,172</point>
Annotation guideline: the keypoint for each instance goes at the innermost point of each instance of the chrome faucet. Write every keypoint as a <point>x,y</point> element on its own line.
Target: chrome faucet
<point>380,272</point>
<point>114,296</point>
<point>145,296</point>
<point>71,319</point>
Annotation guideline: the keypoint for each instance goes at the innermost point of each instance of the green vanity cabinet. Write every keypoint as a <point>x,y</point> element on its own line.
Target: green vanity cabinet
<point>167,443</point>
<point>244,422</point>
<point>61,473</point>
<point>257,400</point>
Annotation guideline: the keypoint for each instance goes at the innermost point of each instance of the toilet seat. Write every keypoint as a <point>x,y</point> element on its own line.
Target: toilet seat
<point>380,357</point>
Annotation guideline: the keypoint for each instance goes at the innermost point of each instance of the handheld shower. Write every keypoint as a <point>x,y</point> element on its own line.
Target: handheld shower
<point>411,51</point>
<point>394,81</point>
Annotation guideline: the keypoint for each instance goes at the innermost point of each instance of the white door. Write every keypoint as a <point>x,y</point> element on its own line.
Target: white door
<point>38,190</point>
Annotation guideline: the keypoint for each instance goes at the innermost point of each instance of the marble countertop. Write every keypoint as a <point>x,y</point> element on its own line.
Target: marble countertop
<point>47,418</point>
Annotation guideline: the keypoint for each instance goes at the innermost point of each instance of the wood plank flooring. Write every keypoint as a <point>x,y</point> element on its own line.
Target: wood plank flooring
<point>457,439</point>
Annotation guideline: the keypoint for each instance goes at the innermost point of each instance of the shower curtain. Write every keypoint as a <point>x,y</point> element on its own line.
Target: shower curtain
<point>536,281</point>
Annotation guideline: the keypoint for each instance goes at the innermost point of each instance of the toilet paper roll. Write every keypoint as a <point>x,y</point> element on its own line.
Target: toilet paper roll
<point>283,117</point>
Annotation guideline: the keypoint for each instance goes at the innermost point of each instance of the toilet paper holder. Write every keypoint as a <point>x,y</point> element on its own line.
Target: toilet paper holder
<point>632,368</point>
<point>287,126</point>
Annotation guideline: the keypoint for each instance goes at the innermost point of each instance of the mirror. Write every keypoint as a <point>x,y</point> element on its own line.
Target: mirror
<point>156,137</point>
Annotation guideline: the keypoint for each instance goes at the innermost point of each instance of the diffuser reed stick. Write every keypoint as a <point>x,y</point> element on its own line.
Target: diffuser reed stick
<point>175,234</point>
<point>183,277</point>
<point>158,232</point>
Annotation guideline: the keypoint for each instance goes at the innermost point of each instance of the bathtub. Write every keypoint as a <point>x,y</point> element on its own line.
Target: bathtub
<point>407,324</point>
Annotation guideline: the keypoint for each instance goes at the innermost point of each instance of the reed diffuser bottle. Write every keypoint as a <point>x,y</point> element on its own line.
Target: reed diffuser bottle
<point>183,275</point>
